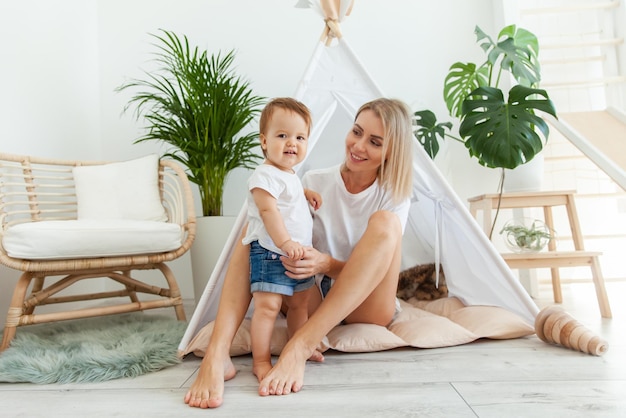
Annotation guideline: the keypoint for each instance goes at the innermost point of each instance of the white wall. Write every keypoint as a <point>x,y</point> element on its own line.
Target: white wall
<point>49,98</point>
<point>62,60</point>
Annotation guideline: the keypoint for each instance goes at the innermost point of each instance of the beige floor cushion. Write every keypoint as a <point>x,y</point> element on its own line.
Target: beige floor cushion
<point>423,324</point>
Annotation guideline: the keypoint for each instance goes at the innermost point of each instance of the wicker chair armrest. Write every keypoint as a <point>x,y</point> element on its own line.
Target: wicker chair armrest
<point>177,198</point>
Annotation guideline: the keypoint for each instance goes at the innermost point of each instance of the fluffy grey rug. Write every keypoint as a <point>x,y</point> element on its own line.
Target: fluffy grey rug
<point>93,349</point>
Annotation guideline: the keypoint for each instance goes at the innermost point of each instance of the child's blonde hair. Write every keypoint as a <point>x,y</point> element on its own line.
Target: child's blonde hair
<point>286,103</point>
<point>396,172</point>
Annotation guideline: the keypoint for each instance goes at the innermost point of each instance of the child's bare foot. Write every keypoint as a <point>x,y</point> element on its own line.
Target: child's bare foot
<point>208,389</point>
<point>260,368</point>
<point>317,356</point>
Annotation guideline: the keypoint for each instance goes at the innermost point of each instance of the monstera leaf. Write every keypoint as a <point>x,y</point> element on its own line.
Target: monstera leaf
<point>517,50</point>
<point>427,130</point>
<point>505,134</point>
<point>460,81</point>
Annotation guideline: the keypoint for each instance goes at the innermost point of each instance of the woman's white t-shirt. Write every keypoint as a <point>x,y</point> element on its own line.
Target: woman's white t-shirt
<point>287,189</point>
<point>342,219</point>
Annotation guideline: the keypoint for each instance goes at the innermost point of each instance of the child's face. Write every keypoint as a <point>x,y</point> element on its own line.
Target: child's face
<point>285,140</point>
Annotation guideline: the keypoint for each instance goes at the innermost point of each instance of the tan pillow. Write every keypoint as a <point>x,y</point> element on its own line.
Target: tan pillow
<point>443,306</point>
<point>360,338</point>
<point>492,322</point>
<point>242,342</point>
<point>200,342</point>
<point>423,329</point>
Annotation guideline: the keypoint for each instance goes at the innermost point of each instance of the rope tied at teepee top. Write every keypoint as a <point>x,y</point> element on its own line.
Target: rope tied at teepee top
<point>331,30</point>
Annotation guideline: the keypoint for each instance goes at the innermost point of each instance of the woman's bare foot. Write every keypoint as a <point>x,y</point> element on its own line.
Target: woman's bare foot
<point>260,368</point>
<point>287,375</point>
<point>208,388</point>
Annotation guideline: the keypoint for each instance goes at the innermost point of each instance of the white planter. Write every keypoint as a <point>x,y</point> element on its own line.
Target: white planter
<point>526,177</point>
<point>211,235</point>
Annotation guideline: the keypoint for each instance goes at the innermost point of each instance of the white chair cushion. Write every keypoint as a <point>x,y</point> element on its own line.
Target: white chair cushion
<point>120,190</point>
<point>89,238</point>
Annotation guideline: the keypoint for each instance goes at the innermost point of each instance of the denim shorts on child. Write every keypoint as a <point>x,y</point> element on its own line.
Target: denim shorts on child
<point>267,273</point>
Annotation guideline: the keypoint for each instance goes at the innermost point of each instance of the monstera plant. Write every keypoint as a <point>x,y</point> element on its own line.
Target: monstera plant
<point>500,132</point>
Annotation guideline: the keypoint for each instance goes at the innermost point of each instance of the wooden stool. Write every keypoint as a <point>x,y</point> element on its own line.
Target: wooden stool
<point>552,259</point>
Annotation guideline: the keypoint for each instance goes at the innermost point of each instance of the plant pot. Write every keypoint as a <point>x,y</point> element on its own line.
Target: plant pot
<point>526,177</point>
<point>211,235</point>
<point>526,235</point>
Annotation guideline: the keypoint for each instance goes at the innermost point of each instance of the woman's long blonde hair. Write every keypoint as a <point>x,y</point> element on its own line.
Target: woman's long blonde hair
<point>396,172</point>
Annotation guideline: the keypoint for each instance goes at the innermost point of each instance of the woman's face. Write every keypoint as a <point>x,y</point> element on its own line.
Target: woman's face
<point>364,143</point>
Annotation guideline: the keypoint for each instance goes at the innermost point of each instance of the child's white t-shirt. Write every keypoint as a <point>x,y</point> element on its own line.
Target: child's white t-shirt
<point>287,189</point>
<point>340,222</point>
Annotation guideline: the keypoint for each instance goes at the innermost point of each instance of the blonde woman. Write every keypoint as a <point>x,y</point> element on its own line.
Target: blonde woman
<point>357,236</point>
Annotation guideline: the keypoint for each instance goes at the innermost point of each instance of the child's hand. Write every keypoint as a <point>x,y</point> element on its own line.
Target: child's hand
<point>293,249</point>
<point>314,198</point>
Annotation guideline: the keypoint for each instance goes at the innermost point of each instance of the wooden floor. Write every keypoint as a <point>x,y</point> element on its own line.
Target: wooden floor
<point>514,378</point>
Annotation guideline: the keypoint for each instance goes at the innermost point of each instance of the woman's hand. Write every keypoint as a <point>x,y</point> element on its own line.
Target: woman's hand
<point>311,263</point>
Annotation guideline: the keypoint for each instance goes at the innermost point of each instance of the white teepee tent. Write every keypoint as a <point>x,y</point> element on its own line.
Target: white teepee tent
<point>440,228</point>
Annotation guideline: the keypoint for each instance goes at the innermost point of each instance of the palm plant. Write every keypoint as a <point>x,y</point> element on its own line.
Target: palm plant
<point>198,105</point>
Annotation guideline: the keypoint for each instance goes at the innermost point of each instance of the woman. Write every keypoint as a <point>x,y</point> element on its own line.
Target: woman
<point>357,236</point>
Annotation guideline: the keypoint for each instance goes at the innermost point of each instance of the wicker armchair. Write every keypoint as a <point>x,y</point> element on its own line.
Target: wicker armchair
<point>35,190</point>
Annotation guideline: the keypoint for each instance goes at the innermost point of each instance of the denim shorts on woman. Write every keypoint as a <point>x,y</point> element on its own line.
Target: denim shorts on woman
<point>267,273</point>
